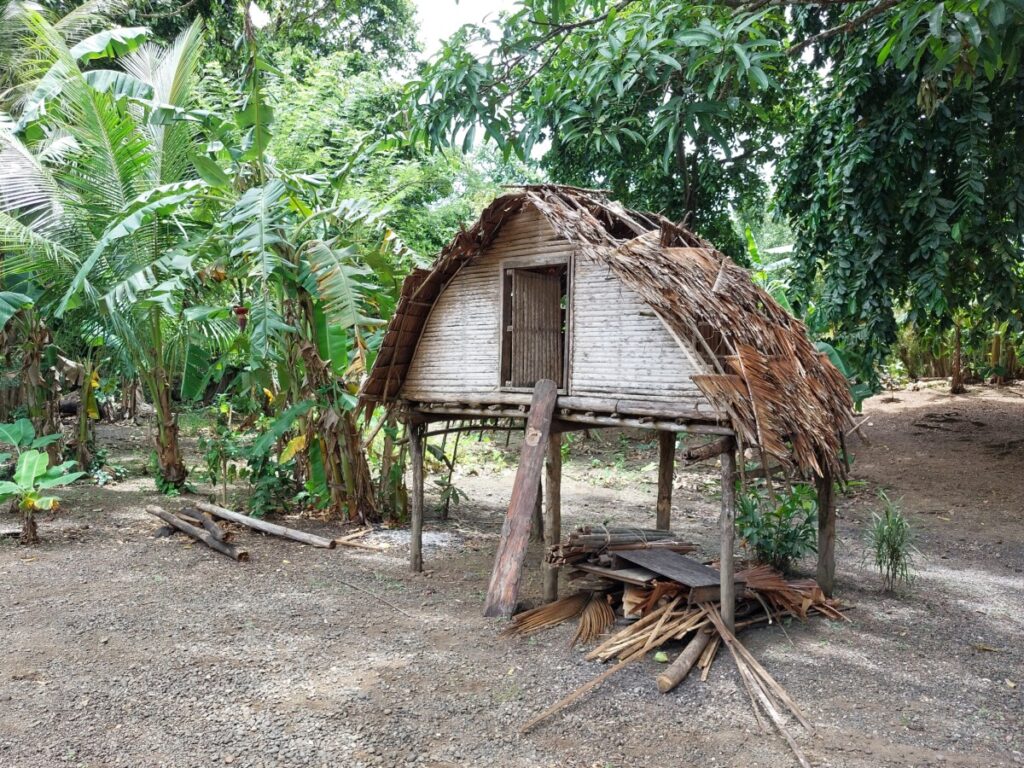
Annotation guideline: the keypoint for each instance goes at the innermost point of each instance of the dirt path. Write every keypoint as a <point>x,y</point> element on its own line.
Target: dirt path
<point>124,650</point>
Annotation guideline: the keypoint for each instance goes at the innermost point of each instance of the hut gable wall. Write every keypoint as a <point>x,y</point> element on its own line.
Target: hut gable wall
<point>621,348</point>
<point>459,352</point>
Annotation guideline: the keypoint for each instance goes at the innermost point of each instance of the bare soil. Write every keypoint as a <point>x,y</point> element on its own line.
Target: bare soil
<point>120,649</point>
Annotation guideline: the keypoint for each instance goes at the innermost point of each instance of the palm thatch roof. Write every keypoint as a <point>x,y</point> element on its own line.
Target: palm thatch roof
<point>778,392</point>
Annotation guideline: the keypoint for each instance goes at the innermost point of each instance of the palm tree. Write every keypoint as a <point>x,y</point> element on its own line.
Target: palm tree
<point>95,196</point>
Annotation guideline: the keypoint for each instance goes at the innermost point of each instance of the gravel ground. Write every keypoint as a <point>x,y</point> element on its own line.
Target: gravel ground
<point>120,649</point>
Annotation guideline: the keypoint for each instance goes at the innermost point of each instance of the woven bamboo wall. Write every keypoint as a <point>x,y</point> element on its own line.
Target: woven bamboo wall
<point>459,352</point>
<point>620,347</point>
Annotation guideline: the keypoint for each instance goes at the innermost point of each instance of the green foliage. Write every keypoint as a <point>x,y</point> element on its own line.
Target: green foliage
<point>902,178</point>
<point>33,475</point>
<point>378,32</point>
<point>779,533</point>
<point>891,546</point>
<point>672,106</point>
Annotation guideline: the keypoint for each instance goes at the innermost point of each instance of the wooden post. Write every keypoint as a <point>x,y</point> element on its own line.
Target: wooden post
<point>537,523</point>
<point>826,532</point>
<point>666,474</point>
<point>727,531</point>
<point>503,590</point>
<point>416,497</point>
<point>553,518</point>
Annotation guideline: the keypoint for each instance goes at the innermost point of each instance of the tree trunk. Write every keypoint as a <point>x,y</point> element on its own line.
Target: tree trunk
<point>957,380</point>
<point>168,451</point>
<point>29,530</point>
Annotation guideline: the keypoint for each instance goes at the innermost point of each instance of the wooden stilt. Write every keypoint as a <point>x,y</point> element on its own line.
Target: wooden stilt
<point>553,518</point>
<point>537,523</point>
<point>826,533</point>
<point>727,531</point>
<point>416,497</point>
<point>666,474</point>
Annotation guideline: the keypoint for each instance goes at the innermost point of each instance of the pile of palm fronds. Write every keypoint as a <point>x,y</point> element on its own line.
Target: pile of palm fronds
<point>667,617</point>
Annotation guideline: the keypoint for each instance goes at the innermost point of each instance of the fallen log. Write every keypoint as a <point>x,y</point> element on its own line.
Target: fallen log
<point>681,667</point>
<point>199,534</point>
<point>272,528</point>
<point>204,519</point>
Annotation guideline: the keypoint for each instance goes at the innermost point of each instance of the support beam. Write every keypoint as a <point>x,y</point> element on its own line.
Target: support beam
<point>707,451</point>
<point>553,516</point>
<point>503,590</point>
<point>666,474</point>
<point>826,532</point>
<point>416,497</point>
<point>727,530</point>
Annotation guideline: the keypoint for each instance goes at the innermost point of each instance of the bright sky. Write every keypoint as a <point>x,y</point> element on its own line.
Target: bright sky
<point>438,19</point>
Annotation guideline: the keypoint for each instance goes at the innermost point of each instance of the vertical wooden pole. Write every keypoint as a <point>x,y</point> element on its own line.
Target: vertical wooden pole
<point>416,497</point>
<point>537,522</point>
<point>826,532</point>
<point>666,475</point>
<point>727,530</point>
<point>553,518</point>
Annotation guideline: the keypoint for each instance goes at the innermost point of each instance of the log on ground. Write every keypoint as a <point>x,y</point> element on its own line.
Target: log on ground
<point>272,528</point>
<point>199,534</point>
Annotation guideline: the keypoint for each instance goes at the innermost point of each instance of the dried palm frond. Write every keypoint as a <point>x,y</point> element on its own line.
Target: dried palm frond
<point>595,619</point>
<point>793,596</point>
<point>550,615</point>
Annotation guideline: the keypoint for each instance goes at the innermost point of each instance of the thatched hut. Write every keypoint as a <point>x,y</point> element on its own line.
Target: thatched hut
<point>638,321</point>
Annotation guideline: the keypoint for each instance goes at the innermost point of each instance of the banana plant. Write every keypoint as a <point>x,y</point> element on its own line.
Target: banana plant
<point>33,474</point>
<point>96,196</point>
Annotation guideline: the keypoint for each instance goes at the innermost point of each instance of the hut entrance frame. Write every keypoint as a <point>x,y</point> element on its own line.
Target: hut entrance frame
<point>534,324</point>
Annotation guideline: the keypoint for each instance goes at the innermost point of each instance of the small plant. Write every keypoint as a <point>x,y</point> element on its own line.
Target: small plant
<point>222,450</point>
<point>782,533</point>
<point>32,476</point>
<point>894,377</point>
<point>890,543</point>
<point>451,495</point>
<point>108,474</point>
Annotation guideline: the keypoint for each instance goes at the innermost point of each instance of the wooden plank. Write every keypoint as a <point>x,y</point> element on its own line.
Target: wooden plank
<point>638,577</point>
<point>666,475</point>
<point>553,511</point>
<point>672,565</point>
<point>503,591</point>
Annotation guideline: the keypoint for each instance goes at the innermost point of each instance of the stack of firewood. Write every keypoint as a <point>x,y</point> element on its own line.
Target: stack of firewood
<point>589,542</point>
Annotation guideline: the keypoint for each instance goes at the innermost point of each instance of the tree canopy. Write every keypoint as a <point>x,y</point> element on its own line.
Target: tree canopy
<point>891,127</point>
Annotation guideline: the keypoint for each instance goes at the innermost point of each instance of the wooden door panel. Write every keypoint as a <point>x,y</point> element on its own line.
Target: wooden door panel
<point>536,328</point>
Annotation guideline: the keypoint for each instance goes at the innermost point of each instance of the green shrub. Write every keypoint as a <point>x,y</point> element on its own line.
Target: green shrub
<point>890,542</point>
<point>782,533</point>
